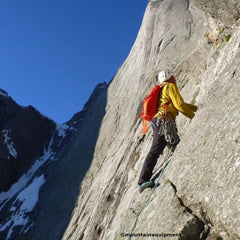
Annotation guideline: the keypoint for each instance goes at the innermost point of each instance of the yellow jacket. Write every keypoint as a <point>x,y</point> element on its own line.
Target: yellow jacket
<point>170,92</point>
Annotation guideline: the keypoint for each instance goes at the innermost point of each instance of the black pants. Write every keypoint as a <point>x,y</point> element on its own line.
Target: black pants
<point>158,145</point>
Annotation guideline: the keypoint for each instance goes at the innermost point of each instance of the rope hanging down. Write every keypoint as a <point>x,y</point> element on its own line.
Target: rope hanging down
<point>166,162</point>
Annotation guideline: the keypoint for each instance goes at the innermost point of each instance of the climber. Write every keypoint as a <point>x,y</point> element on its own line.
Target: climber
<point>163,124</point>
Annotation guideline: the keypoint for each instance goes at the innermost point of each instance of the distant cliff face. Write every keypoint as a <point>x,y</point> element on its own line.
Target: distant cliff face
<point>42,165</point>
<point>25,133</point>
<point>198,193</point>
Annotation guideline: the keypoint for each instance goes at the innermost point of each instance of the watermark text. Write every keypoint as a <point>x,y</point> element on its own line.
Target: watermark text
<point>157,235</point>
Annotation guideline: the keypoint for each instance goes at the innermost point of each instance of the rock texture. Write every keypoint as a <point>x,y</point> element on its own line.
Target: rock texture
<point>198,193</point>
<point>78,181</point>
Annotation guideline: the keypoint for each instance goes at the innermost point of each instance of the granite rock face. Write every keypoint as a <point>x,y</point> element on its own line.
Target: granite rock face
<point>198,193</point>
<point>82,175</point>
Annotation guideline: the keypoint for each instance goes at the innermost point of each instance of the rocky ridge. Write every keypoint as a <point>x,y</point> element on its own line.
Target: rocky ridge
<point>42,166</point>
<point>198,193</point>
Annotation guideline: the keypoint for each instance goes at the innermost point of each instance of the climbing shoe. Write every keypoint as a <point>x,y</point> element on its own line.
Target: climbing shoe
<point>145,185</point>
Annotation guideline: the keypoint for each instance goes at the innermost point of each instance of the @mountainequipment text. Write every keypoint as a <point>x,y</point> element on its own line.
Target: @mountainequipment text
<point>162,235</point>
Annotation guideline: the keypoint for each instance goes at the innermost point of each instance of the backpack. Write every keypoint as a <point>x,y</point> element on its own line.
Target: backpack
<point>150,105</point>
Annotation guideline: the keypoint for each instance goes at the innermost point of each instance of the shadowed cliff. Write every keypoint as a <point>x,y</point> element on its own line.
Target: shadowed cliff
<point>43,164</point>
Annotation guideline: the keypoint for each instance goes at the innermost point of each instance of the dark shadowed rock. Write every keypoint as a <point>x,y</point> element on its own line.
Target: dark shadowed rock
<point>35,150</point>
<point>25,133</point>
<point>64,176</point>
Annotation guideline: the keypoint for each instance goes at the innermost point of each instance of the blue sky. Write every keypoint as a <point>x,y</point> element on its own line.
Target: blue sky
<point>54,52</point>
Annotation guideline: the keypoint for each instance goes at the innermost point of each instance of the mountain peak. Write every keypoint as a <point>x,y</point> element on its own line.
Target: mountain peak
<point>3,92</point>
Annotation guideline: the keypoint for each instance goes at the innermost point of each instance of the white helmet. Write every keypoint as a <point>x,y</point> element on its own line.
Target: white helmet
<point>163,76</point>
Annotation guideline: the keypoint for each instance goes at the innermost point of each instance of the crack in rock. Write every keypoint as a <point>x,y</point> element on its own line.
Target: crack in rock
<point>202,229</point>
<point>167,43</point>
<point>208,232</point>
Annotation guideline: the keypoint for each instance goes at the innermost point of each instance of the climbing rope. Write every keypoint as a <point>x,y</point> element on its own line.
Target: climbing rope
<point>166,162</point>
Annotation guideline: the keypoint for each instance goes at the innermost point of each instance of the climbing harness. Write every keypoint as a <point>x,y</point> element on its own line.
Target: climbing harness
<point>166,162</point>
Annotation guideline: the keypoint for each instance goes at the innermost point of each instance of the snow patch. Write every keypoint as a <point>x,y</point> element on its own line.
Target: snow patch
<point>26,201</point>
<point>9,144</point>
<point>29,196</point>
<point>61,129</point>
<point>73,129</point>
<point>26,191</point>
<point>5,197</point>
